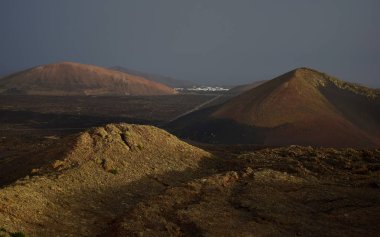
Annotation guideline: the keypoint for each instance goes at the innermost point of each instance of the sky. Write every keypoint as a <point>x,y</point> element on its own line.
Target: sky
<point>225,42</point>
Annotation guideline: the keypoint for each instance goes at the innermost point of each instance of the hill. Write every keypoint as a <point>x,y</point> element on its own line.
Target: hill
<point>303,107</point>
<point>69,78</point>
<point>81,183</point>
<point>169,81</point>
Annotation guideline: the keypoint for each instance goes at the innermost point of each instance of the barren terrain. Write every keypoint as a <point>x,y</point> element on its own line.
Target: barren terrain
<point>28,124</point>
<point>73,79</point>
<point>130,180</point>
<point>71,166</point>
<point>302,107</point>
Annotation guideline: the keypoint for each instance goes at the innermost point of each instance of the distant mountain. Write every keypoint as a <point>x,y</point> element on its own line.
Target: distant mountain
<point>169,81</point>
<point>303,107</point>
<point>69,78</point>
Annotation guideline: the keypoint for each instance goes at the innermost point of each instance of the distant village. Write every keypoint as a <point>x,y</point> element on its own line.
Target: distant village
<point>202,88</point>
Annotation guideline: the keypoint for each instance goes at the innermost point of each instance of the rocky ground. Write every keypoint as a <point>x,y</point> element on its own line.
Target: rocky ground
<point>129,180</point>
<point>294,191</point>
<point>87,180</point>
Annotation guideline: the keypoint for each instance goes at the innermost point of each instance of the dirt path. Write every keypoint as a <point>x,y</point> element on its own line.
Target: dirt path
<point>196,108</point>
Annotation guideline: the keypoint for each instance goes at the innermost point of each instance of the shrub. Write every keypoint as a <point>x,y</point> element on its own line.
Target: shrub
<point>17,234</point>
<point>140,146</point>
<point>4,233</point>
<point>114,171</point>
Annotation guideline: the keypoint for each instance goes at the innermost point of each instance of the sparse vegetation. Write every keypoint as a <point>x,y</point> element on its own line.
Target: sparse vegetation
<point>184,181</point>
<point>355,88</point>
<point>140,146</point>
<point>6,233</point>
<point>114,171</point>
<point>278,185</point>
<point>17,234</point>
<point>324,79</point>
<point>101,179</point>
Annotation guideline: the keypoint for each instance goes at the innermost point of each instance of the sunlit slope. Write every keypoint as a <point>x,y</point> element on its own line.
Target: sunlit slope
<point>303,107</point>
<point>69,78</point>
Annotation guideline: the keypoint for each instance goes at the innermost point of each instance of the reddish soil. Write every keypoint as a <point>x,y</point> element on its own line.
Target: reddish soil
<point>69,78</point>
<point>303,107</point>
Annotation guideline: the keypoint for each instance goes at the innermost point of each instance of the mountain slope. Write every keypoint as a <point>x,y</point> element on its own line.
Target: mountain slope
<point>237,90</point>
<point>302,107</point>
<point>169,81</point>
<point>83,182</point>
<point>69,78</point>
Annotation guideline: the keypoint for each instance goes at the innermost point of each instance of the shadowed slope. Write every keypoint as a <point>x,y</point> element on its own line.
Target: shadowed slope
<point>303,107</point>
<point>78,79</point>
<point>292,191</point>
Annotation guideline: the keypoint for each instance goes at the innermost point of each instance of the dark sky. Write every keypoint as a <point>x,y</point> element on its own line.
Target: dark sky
<point>207,41</point>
